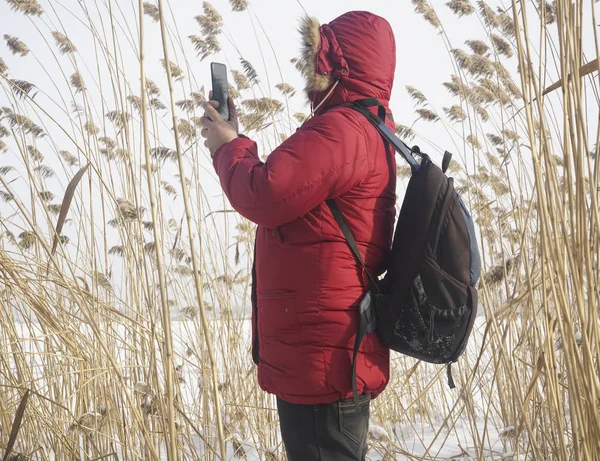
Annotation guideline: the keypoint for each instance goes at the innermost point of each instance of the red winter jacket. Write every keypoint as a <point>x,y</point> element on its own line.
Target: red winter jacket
<point>307,284</point>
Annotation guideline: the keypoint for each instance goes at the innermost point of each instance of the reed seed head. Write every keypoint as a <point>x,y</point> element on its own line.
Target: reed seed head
<point>64,43</point>
<point>461,7</point>
<point>239,5</point>
<point>502,46</point>
<point>152,11</point>
<point>456,113</point>
<point>489,17</point>
<point>28,7</point>
<point>478,47</point>
<point>16,46</point>
<point>424,9</point>
<point>428,115</point>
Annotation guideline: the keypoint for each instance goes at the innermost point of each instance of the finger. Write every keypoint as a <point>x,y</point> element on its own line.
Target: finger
<point>204,132</point>
<point>210,94</point>
<point>210,112</point>
<point>205,122</point>
<point>232,109</point>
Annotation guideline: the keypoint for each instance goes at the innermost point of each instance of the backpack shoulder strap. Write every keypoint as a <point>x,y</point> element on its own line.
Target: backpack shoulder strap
<point>378,121</point>
<point>366,319</point>
<point>341,222</point>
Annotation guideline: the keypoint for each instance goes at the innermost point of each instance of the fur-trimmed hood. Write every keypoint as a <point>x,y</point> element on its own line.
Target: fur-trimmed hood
<point>357,48</point>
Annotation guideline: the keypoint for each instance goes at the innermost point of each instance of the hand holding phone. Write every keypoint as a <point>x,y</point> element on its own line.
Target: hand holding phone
<point>219,124</point>
<point>220,88</point>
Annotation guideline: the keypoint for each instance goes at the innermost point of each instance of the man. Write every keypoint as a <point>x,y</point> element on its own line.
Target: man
<point>307,285</point>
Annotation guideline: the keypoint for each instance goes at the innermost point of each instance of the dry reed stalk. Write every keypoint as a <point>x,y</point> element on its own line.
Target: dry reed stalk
<point>197,280</point>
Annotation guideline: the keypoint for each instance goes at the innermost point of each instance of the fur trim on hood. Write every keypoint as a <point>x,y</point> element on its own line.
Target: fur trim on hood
<point>310,30</point>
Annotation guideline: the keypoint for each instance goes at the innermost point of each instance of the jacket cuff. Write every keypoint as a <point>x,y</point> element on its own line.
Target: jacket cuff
<point>241,142</point>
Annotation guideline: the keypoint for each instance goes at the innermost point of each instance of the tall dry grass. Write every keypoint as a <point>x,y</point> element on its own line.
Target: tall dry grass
<point>124,283</point>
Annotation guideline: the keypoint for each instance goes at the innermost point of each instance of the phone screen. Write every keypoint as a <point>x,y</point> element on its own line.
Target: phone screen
<point>220,88</point>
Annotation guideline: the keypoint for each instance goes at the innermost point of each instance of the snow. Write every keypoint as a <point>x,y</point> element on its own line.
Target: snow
<point>421,431</point>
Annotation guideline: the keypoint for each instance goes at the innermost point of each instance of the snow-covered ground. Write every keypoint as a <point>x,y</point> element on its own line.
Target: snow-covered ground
<point>416,437</point>
<point>444,429</point>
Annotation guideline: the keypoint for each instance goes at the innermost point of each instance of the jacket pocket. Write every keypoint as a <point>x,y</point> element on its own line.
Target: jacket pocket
<point>279,294</point>
<point>279,330</point>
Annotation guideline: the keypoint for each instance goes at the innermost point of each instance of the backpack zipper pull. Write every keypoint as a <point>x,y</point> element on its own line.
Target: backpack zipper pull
<point>450,379</point>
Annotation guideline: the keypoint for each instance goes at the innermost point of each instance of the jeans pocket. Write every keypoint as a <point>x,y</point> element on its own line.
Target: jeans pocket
<point>354,423</point>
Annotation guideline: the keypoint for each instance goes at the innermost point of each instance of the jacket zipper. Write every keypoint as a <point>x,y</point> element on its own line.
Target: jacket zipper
<point>255,345</point>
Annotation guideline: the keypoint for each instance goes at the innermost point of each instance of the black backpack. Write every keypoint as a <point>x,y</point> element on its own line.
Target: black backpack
<point>426,304</point>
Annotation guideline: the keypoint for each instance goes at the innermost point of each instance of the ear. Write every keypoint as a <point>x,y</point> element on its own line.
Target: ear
<point>310,30</point>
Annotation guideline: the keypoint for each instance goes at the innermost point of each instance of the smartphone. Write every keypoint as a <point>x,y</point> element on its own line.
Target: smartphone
<point>220,88</point>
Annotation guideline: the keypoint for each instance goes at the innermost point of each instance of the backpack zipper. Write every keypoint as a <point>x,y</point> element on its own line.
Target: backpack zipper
<point>448,195</point>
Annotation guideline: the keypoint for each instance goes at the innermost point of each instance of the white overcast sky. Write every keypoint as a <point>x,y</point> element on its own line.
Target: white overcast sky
<point>422,57</point>
<point>421,54</point>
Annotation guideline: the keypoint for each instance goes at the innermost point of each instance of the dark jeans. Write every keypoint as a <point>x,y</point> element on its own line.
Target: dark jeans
<point>333,432</point>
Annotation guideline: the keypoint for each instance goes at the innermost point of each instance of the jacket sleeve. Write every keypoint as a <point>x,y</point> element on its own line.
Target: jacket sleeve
<point>324,159</point>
